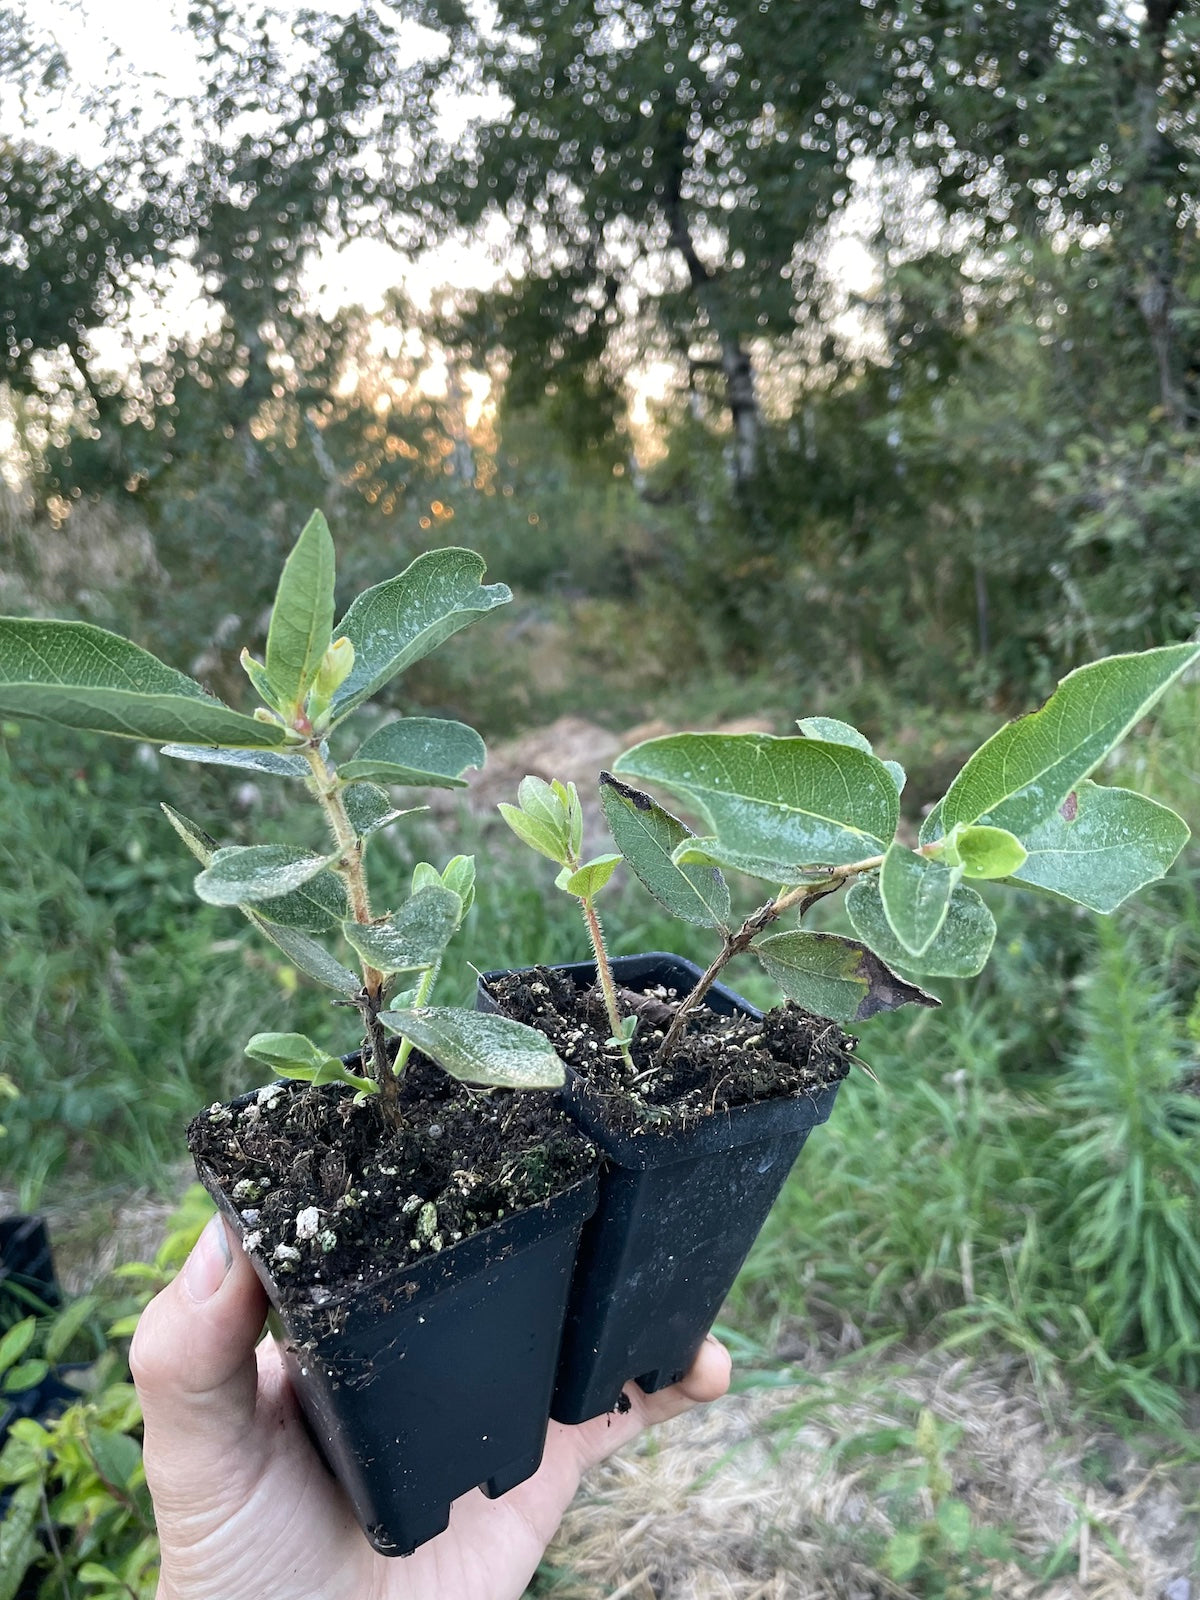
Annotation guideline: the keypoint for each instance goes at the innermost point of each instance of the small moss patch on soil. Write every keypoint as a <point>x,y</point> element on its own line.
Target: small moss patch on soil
<point>721,1061</point>
<point>333,1198</point>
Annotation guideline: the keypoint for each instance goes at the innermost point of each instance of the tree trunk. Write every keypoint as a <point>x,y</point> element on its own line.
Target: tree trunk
<point>737,369</point>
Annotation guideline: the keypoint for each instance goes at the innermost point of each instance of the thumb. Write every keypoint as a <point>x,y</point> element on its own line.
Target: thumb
<point>192,1360</point>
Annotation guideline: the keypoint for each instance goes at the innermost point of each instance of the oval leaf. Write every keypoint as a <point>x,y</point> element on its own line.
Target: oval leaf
<point>916,896</point>
<point>646,835</point>
<point>590,878</point>
<point>411,938</point>
<point>798,802</point>
<point>1020,777</point>
<point>835,977</point>
<point>306,955</point>
<point>1101,846</point>
<point>960,949</point>
<point>318,906</point>
<point>834,732</point>
<point>293,1055</point>
<point>301,625</point>
<point>256,872</point>
<point>539,835</point>
<point>85,677</point>
<point>480,1047</point>
<point>370,808</point>
<point>398,622</point>
<point>268,761</point>
<point>988,852</point>
<point>426,751</point>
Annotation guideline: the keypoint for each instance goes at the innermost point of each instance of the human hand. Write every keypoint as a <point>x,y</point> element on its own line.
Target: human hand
<point>247,1511</point>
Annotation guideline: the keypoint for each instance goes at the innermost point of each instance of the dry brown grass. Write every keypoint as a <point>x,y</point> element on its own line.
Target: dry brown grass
<point>723,1506</point>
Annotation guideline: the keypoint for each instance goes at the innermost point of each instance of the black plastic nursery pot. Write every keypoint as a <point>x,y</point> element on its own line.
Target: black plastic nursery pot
<point>678,1213</point>
<point>437,1379</point>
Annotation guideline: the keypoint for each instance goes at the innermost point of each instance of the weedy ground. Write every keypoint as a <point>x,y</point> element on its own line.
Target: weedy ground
<point>1015,1200</point>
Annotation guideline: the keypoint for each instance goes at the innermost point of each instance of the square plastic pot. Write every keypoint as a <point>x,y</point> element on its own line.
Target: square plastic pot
<point>437,1379</point>
<point>677,1216</point>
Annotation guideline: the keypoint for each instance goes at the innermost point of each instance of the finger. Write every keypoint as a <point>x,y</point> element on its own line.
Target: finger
<point>192,1359</point>
<point>706,1380</point>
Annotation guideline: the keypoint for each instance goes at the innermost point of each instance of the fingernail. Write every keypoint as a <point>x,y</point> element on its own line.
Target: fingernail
<point>211,1258</point>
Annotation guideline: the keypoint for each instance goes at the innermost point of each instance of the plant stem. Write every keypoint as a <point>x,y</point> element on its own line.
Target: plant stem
<point>604,973</point>
<point>424,990</point>
<point>805,895</point>
<point>326,786</point>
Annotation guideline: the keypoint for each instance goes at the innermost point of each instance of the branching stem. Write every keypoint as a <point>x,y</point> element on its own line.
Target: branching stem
<point>805,895</point>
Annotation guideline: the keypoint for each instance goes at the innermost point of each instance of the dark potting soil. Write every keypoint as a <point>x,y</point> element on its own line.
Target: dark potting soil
<point>333,1197</point>
<point>720,1062</point>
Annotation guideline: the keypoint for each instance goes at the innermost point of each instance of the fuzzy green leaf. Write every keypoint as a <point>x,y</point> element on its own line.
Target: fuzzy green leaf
<point>429,752</point>
<point>1101,846</point>
<point>480,1047</point>
<point>370,808</point>
<point>85,677</point>
<point>714,853</point>
<point>916,896</point>
<point>20,1545</point>
<point>834,732</point>
<point>301,626</point>
<point>266,761</point>
<point>398,622</point>
<point>293,1055</point>
<point>537,834</point>
<point>986,852</point>
<point>1019,778</point>
<point>318,906</point>
<point>835,977</point>
<point>459,876</point>
<point>588,879</point>
<point>412,937</point>
<point>959,950</point>
<point>248,873</point>
<point>788,802</point>
<point>306,955</point>
<point>646,834</point>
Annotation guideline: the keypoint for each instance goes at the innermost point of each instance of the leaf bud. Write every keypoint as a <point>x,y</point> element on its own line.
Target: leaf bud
<point>336,666</point>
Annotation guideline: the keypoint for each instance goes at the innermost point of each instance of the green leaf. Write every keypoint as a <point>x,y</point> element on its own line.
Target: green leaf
<point>1101,846</point>
<point>248,873</point>
<point>268,761</point>
<point>306,955</point>
<point>986,852</point>
<point>202,845</point>
<point>538,835</point>
<point>117,1456</point>
<point>916,896</point>
<point>902,1555</point>
<point>370,808</point>
<point>698,852</point>
<point>25,1375</point>
<point>429,752</point>
<point>1020,777</point>
<point>412,937</point>
<point>459,876</point>
<point>959,950</point>
<point>67,1325</point>
<point>646,834</point>
<point>301,625</point>
<point>835,977</point>
<point>479,1047</point>
<point>588,879</point>
<point>85,677</point>
<point>792,802</point>
<point>398,622</point>
<point>317,907</point>
<point>292,1055</point>
<point>16,1341</point>
<point>20,1545</point>
<point>834,732</point>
